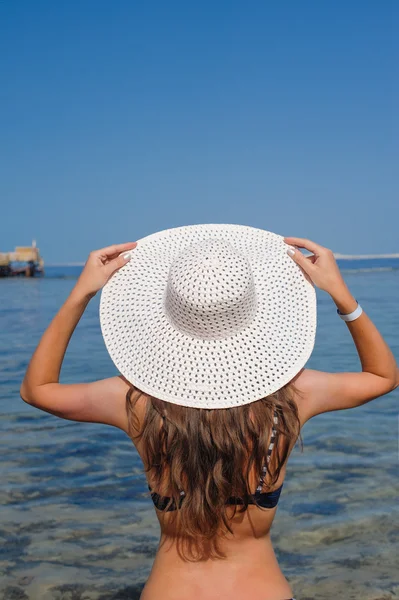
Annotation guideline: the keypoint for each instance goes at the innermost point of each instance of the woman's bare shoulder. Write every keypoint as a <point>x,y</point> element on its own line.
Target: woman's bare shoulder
<point>317,392</point>
<point>307,381</point>
<point>301,386</point>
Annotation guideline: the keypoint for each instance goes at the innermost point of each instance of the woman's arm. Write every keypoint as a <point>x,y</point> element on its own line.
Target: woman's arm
<point>323,392</point>
<point>41,387</point>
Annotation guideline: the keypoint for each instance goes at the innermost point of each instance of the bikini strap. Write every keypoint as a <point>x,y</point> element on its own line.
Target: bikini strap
<point>269,452</point>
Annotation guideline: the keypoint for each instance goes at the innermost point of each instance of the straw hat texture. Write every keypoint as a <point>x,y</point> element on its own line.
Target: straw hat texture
<point>209,316</point>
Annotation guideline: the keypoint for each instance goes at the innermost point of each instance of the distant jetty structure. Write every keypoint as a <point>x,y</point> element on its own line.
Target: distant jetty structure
<point>25,261</point>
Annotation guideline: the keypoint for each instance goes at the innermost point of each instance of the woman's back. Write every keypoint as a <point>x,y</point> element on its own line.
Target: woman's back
<point>250,563</point>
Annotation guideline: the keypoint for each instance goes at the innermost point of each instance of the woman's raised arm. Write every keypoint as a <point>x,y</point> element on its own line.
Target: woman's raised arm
<point>323,392</point>
<point>41,387</point>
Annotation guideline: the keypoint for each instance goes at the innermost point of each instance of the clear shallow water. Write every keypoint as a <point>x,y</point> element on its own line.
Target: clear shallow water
<point>75,519</point>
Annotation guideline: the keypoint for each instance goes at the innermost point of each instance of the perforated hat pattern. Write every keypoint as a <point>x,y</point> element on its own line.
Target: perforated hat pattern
<point>209,316</point>
<point>210,292</point>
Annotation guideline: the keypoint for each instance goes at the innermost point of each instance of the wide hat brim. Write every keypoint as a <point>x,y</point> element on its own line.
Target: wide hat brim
<point>162,361</point>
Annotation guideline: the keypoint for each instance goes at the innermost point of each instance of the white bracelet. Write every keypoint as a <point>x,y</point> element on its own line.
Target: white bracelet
<point>353,315</point>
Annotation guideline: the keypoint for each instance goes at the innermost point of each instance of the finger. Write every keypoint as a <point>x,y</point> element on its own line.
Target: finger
<point>116,249</point>
<point>304,243</point>
<point>301,260</point>
<point>118,262</point>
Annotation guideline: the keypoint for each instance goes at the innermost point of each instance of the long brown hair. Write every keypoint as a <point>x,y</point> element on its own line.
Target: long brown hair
<point>209,453</point>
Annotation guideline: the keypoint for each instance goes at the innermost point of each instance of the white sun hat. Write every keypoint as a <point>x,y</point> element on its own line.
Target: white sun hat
<point>209,316</point>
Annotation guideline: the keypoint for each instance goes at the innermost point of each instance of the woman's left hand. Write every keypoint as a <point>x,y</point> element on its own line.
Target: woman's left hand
<point>100,266</point>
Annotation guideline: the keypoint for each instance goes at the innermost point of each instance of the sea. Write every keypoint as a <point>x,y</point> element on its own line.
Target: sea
<point>76,521</point>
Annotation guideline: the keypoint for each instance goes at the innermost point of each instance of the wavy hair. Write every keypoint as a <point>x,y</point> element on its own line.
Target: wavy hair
<point>209,453</point>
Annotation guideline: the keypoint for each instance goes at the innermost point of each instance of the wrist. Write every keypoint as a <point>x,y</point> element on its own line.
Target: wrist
<point>80,295</point>
<point>344,300</point>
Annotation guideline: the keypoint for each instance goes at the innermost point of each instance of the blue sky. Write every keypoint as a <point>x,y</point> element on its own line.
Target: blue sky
<point>118,119</point>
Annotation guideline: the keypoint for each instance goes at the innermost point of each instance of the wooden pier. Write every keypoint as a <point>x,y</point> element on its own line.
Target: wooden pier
<point>25,261</point>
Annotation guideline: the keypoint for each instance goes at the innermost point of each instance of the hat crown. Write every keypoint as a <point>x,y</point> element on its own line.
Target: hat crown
<point>210,292</point>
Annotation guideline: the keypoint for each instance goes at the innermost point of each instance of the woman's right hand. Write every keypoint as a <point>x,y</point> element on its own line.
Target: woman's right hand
<point>100,266</point>
<point>321,266</point>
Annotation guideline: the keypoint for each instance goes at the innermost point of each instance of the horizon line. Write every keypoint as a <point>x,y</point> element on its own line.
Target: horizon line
<point>336,255</point>
<point>360,256</point>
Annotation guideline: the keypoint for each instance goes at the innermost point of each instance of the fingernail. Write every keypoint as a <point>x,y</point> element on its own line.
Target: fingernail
<point>291,251</point>
<point>127,255</point>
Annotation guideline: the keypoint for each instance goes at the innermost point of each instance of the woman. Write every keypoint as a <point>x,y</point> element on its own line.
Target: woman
<point>210,327</point>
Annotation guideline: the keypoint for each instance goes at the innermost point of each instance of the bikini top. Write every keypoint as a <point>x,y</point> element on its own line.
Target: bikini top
<point>264,499</point>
